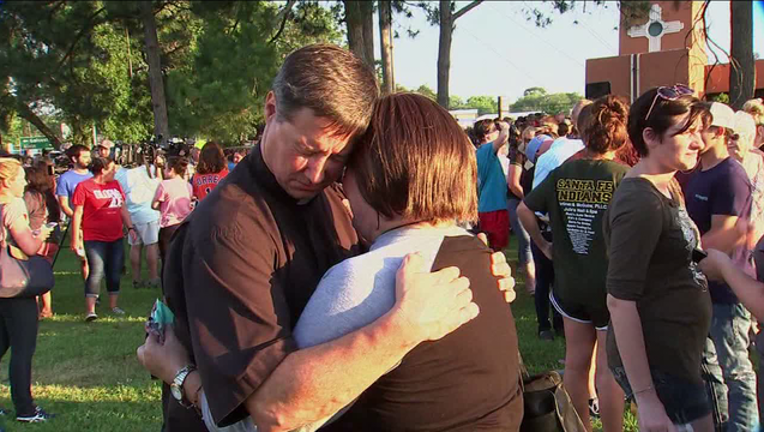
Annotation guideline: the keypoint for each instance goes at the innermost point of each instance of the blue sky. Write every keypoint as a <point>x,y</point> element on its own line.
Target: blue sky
<point>496,51</point>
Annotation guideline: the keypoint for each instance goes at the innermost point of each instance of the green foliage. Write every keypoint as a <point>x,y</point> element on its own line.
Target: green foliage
<point>424,90</point>
<point>631,11</point>
<point>720,97</point>
<point>537,99</point>
<point>484,104</point>
<point>218,59</point>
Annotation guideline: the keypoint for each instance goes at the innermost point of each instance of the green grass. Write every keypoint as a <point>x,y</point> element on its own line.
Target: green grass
<point>88,374</point>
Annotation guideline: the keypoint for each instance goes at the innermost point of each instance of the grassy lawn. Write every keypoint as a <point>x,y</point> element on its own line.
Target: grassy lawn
<point>88,375</point>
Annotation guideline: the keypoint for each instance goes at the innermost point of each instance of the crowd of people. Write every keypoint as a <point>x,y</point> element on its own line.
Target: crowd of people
<point>333,280</point>
<point>103,201</point>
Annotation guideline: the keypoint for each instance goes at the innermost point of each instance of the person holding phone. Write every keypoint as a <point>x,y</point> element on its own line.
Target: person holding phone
<point>18,315</point>
<point>43,209</point>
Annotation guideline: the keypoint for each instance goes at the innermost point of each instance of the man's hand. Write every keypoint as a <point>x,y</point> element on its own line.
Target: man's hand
<point>430,305</point>
<point>133,235</point>
<point>163,360</point>
<point>501,270</point>
<point>713,265</point>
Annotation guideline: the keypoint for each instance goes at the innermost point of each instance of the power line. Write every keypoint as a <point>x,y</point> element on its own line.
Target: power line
<point>592,32</point>
<point>536,36</point>
<point>501,55</point>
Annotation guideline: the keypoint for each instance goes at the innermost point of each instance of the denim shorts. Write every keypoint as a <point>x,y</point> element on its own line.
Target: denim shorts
<point>684,401</point>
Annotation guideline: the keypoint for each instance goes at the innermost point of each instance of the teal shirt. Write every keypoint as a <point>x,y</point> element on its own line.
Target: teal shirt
<point>492,184</point>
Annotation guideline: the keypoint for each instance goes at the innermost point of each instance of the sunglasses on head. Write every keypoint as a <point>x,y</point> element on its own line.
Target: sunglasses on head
<point>669,94</point>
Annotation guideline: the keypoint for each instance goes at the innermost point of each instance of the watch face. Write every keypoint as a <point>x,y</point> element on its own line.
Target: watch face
<point>176,393</point>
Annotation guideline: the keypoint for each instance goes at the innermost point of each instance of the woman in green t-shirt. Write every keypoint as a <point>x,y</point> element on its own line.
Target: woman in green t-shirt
<point>576,196</point>
<point>660,307</point>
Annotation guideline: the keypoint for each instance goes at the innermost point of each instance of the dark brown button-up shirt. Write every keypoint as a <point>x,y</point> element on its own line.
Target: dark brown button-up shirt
<point>240,273</point>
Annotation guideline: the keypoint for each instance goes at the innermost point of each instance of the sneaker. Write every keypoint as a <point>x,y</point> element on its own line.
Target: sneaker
<point>546,335</point>
<point>594,407</point>
<point>117,311</point>
<point>138,284</point>
<point>39,416</point>
<point>154,283</point>
<point>91,317</point>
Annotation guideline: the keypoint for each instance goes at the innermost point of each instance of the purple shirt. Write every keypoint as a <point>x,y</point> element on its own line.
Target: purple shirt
<point>723,190</point>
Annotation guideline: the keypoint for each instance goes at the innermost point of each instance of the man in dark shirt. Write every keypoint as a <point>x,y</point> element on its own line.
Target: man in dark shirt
<point>243,266</point>
<point>718,197</point>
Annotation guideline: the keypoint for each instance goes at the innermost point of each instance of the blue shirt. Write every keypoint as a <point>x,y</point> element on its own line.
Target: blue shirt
<point>68,182</point>
<point>723,190</point>
<point>139,191</point>
<point>492,183</point>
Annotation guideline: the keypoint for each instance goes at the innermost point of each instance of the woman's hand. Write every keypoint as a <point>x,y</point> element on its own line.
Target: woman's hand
<point>652,415</point>
<point>163,360</point>
<point>714,263</point>
<point>43,233</point>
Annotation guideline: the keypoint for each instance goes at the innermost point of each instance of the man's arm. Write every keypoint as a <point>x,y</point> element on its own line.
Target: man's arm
<point>530,223</point>
<point>313,383</point>
<point>63,200</point>
<point>725,234</point>
<point>503,138</point>
<point>719,266</point>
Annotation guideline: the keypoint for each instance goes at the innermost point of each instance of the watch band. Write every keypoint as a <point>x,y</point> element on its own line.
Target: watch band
<point>177,382</point>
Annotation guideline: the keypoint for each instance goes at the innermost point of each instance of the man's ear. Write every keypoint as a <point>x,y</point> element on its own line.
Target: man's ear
<point>720,131</point>
<point>271,109</point>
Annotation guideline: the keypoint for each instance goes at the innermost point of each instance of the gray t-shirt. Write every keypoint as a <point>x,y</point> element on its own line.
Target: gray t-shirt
<point>353,294</point>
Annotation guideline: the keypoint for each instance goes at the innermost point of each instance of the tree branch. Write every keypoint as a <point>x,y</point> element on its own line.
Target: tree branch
<point>77,38</point>
<point>466,9</point>
<point>283,15</point>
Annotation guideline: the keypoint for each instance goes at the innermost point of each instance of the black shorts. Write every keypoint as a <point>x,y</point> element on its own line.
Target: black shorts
<point>582,313</point>
<point>684,401</point>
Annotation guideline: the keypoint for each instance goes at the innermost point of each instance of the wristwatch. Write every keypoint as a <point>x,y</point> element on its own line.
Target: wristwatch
<point>176,388</point>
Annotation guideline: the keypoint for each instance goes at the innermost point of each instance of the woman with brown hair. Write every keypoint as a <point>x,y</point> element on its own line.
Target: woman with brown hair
<point>411,180</point>
<point>212,168</point>
<point>576,196</point>
<point>43,207</point>
<point>659,302</point>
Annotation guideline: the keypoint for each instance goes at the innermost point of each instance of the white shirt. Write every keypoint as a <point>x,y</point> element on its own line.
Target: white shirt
<point>560,151</point>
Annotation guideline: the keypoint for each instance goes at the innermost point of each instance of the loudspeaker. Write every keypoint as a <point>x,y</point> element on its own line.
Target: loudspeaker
<point>597,90</point>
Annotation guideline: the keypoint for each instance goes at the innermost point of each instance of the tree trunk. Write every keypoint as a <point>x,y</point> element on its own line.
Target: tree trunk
<point>444,51</point>
<point>156,81</point>
<point>367,10</point>
<point>386,46</point>
<point>742,77</point>
<point>354,19</point>
<point>27,114</point>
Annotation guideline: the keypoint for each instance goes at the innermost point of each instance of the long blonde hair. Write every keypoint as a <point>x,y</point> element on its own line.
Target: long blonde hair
<point>9,168</point>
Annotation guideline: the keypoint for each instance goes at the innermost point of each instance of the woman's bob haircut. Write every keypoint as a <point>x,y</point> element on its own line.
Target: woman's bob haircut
<point>415,161</point>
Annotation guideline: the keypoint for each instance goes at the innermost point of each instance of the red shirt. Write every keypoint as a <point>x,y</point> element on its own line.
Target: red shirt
<point>102,215</point>
<point>204,183</point>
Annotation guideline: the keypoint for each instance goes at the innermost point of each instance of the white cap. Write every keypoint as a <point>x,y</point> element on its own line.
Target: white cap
<point>745,125</point>
<point>723,116</point>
